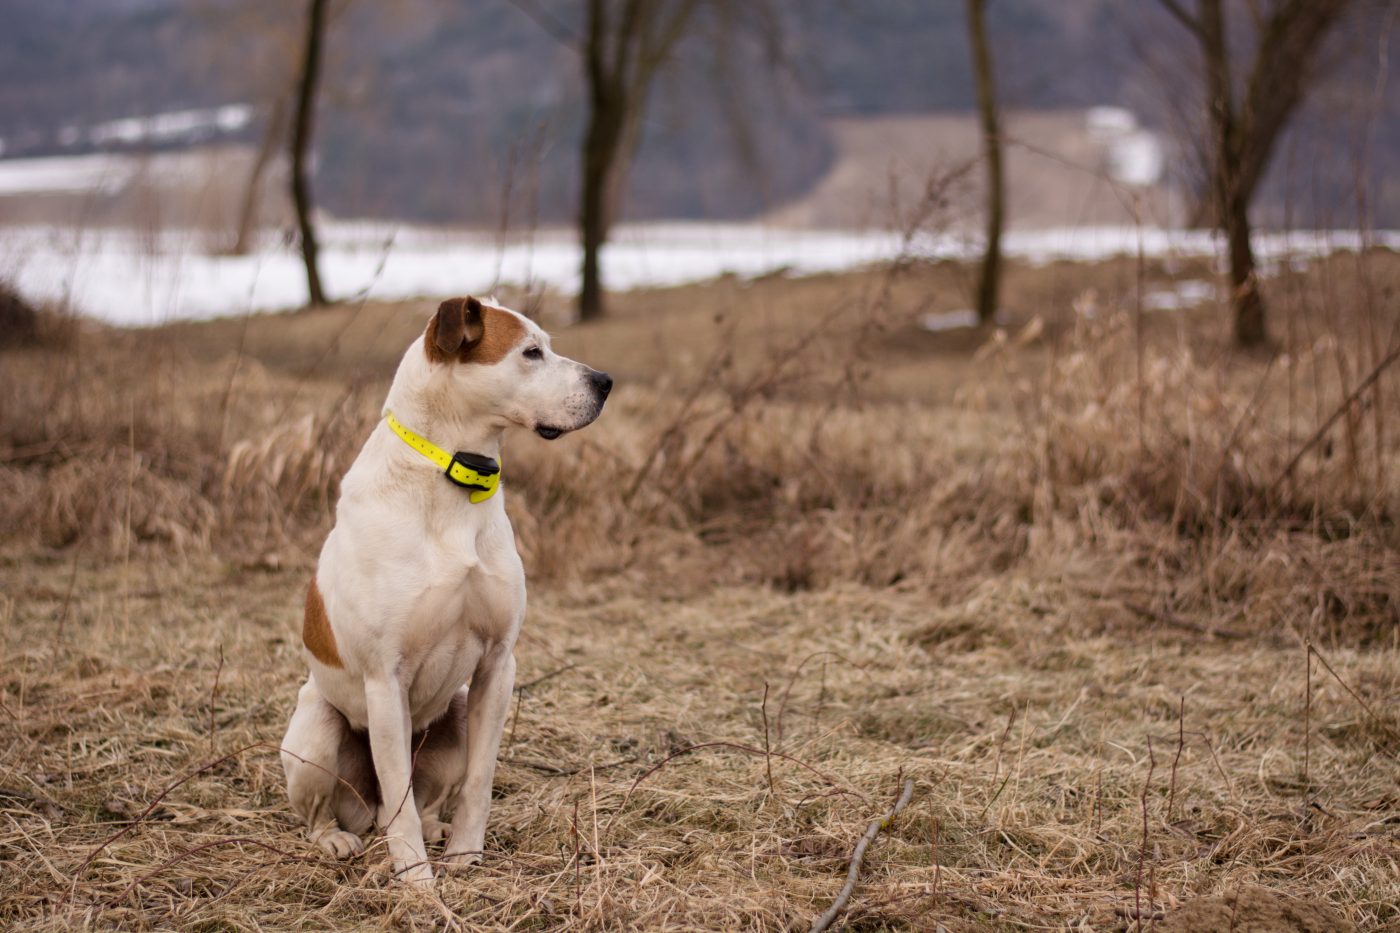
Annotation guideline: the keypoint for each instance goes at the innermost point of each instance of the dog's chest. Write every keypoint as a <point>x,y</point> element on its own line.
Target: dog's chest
<point>452,615</point>
<point>463,613</point>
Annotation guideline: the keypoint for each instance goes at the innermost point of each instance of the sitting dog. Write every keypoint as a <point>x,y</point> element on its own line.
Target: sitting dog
<point>412,615</point>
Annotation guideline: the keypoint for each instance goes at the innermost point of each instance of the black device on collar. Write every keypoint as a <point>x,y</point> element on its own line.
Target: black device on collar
<point>479,463</point>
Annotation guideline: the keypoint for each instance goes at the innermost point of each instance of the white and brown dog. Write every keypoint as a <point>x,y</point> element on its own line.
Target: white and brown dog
<point>412,616</point>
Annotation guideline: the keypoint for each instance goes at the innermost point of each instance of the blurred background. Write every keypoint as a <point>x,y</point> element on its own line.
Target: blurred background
<point>1006,403</point>
<point>436,122</point>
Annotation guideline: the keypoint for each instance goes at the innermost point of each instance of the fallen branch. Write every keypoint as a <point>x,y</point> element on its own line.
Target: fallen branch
<point>556,771</point>
<point>858,856</point>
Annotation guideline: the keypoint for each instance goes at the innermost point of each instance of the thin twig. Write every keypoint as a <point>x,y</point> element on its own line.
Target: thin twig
<point>1307,710</point>
<point>548,22</point>
<point>204,847</point>
<point>1142,856</point>
<point>996,767</point>
<point>155,803</point>
<point>556,771</point>
<point>521,688</point>
<point>1180,744</point>
<point>1341,409</point>
<point>214,697</point>
<point>520,691</point>
<point>578,888</point>
<point>1395,737</point>
<point>858,856</point>
<point>937,870</point>
<point>1167,618</point>
<point>67,600</point>
<point>1179,13</point>
<point>748,749</point>
<point>208,766</point>
<point>787,691</point>
<point>767,745</point>
<point>510,740</point>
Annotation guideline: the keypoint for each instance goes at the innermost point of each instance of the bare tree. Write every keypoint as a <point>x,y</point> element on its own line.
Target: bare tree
<point>259,68</point>
<point>1247,115</point>
<point>248,210</point>
<point>301,143</point>
<point>625,43</point>
<point>989,279</point>
<point>623,47</point>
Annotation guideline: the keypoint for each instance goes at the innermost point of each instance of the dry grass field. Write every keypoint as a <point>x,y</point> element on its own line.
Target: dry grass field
<point>1123,604</point>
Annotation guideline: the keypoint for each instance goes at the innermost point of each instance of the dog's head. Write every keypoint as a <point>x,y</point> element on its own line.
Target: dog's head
<point>500,364</point>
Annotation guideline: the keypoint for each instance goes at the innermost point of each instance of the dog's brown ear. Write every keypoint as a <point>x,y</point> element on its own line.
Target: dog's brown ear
<point>454,330</point>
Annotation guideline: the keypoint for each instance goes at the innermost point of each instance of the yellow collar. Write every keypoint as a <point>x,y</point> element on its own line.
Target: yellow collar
<point>481,475</point>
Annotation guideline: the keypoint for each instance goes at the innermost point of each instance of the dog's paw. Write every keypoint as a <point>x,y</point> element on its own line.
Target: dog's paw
<point>340,843</point>
<point>435,830</point>
<point>420,875</point>
<point>461,860</point>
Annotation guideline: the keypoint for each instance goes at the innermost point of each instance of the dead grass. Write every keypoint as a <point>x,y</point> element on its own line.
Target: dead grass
<point>990,566</point>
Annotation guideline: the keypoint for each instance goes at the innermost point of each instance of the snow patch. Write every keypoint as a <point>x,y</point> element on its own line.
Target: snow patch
<point>177,125</point>
<point>939,321</point>
<point>125,278</point>
<point>96,174</point>
<point>1187,293</point>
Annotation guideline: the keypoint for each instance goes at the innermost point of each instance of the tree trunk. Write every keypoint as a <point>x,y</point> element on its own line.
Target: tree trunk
<point>248,213</point>
<point>624,46</point>
<point>1245,300</point>
<point>990,277</point>
<point>301,143</point>
<point>1231,195</point>
<point>1245,133</point>
<point>607,113</point>
<point>599,151</point>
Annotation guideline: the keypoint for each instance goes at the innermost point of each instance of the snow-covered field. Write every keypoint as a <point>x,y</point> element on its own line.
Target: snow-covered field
<point>125,278</point>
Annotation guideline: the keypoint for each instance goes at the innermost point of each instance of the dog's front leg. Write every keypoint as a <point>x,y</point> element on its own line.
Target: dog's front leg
<point>488,702</point>
<point>390,735</point>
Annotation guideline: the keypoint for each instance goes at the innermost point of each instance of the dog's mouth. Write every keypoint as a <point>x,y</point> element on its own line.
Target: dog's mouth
<point>548,432</point>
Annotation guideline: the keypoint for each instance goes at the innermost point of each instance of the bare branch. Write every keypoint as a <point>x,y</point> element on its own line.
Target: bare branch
<point>1283,68</point>
<point>1167,618</point>
<point>548,22</point>
<point>858,856</point>
<point>1341,409</point>
<point>1179,13</point>
<point>657,47</point>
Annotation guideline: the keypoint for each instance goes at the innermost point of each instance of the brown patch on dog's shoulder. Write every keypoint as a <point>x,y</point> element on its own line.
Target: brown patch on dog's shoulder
<point>316,632</point>
<point>466,331</point>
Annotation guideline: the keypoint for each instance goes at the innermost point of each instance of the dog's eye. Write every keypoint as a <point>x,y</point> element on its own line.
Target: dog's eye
<point>534,353</point>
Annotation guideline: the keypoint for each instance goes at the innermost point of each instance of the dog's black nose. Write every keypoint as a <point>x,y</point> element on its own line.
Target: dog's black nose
<point>602,382</point>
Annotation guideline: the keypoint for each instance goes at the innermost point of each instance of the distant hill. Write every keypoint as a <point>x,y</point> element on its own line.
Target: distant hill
<point>1062,171</point>
<point>470,112</point>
